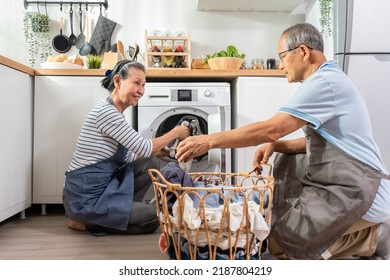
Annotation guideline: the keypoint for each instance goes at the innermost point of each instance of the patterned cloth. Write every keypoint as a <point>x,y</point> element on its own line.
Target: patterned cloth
<point>101,35</point>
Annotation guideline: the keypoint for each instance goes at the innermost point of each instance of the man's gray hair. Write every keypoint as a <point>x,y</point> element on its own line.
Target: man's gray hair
<point>303,34</point>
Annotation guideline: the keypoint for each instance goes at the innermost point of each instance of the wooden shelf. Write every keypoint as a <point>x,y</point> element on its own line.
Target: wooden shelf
<point>166,57</point>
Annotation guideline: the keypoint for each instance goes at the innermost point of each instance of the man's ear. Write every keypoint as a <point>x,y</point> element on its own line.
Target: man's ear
<point>306,52</point>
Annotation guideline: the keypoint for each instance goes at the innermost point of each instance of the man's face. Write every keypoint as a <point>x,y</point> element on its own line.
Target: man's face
<point>289,61</point>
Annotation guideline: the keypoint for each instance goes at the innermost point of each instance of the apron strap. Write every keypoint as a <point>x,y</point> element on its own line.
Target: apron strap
<point>110,100</point>
<point>385,176</point>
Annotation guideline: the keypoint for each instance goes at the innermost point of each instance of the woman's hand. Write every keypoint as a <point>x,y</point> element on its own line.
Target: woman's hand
<point>262,156</point>
<point>181,132</point>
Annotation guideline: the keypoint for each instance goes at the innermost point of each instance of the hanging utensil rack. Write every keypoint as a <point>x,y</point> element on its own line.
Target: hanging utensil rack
<point>101,3</point>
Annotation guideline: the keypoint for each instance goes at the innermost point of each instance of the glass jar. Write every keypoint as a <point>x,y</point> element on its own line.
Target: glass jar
<point>257,63</point>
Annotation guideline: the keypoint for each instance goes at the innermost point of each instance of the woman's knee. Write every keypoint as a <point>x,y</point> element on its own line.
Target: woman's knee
<point>142,213</point>
<point>141,166</point>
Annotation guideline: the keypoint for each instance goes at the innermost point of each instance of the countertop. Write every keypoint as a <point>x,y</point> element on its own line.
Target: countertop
<point>159,75</point>
<point>152,74</point>
<point>16,65</point>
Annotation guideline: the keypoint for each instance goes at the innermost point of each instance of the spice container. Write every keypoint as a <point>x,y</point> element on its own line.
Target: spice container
<point>257,63</point>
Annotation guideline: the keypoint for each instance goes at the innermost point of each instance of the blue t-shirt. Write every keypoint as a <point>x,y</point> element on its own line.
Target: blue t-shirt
<point>333,106</point>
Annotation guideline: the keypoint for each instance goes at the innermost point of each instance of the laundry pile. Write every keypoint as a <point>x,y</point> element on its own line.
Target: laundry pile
<point>211,218</point>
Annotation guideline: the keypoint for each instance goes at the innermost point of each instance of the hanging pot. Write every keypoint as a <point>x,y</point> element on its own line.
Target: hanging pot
<point>87,48</point>
<point>61,42</point>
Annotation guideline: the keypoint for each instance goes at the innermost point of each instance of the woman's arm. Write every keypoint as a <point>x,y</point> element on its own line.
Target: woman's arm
<point>179,132</point>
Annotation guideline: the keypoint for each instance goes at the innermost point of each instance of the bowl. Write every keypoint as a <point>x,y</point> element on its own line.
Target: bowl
<point>60,65</point>
<point>225,63</point>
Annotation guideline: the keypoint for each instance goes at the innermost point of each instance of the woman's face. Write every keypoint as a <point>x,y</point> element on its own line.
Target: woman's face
<point>132,88</point>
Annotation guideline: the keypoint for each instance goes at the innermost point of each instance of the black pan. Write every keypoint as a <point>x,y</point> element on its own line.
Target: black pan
<point>61,42</point>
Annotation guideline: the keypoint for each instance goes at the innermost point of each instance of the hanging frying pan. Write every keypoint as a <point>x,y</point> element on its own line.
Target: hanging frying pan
<point>61,42</point>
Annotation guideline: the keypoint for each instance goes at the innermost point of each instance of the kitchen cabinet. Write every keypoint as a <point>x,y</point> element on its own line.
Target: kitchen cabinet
<point>16,142</point>
<point>61,105</point>
<point>255,99</point>
<point>250,5</point>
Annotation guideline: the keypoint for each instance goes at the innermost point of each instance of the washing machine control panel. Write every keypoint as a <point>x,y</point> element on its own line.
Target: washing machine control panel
<point>184,95</point>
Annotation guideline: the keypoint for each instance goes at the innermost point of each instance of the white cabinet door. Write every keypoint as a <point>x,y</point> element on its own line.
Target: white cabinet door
<point>256,99</point>
<point>61,105</point>
<point>15,142</point>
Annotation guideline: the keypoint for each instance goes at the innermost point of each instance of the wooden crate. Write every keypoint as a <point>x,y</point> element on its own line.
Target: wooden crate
<point>168,58</point>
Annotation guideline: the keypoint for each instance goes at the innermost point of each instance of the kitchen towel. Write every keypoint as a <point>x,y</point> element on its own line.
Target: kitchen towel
<point>101,35</point>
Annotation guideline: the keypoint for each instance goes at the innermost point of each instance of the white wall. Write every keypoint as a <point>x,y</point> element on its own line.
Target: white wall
<point>254,33</point>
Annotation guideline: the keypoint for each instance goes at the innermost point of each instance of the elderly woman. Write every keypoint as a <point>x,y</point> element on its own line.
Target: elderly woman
<point>107,178</point>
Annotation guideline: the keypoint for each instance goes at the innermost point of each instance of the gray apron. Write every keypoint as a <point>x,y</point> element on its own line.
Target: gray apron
<point>318,196</point>
<point>102,194</point>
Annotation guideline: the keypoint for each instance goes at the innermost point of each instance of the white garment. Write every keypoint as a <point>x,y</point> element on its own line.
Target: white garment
<point>193,218</point>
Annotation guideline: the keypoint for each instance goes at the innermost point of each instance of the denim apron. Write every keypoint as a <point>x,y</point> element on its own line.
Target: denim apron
<point>102,194</point>
<point>318,196</point>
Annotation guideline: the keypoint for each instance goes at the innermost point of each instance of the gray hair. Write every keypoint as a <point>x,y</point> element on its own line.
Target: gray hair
<point>303,34</point>
<point>122,69</point>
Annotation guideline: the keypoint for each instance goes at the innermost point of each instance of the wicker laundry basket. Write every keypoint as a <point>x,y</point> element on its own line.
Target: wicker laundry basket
<point>222,216</point>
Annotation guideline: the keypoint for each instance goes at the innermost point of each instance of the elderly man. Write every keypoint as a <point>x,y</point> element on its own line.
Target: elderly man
<point>332,195</point>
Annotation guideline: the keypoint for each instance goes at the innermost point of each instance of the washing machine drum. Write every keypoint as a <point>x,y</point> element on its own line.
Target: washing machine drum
<point>175,120</point>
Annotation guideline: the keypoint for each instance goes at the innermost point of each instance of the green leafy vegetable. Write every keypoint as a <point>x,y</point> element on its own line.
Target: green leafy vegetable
<point>231,51</point>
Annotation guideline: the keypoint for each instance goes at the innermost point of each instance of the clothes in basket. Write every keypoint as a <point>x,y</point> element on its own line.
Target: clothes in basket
<point>211,219</point>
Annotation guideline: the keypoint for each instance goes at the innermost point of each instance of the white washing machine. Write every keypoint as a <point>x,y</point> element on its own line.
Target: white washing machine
<point>165,104</point>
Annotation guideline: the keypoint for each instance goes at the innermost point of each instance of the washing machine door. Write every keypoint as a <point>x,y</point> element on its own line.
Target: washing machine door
<point>217,123</point>
<point>171,118</point>
<point>215,120</point>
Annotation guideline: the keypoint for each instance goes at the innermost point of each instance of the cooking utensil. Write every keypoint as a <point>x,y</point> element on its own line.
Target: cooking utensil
<point>61,42</point>
<point>114,48</point>
<point>136,52</point>
<point>87,48</point>
<point>81,38</point>
<point>121,49</point>
<point>133,52</point>
<point>72,37</point>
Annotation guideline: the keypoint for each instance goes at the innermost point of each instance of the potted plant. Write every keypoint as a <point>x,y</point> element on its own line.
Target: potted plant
<point>94,61</point>
<point>36,32</point>
<point>326,17</point>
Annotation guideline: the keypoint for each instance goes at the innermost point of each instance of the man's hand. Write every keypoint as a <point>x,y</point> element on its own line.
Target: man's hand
<point>262,156</point>
<point>191,147</point>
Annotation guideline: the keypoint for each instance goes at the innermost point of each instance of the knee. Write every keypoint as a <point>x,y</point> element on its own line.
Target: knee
<point>154,163</point>
<point>142,213</point>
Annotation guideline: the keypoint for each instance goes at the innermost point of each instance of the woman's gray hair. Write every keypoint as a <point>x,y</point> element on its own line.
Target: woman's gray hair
<point>303,34</point>
<point>122,69</point>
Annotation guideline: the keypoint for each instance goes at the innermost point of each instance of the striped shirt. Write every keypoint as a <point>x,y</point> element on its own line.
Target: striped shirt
<point>104,128</point>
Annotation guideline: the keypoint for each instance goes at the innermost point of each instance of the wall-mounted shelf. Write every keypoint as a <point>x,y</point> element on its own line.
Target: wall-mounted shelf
<point>162,52</point>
